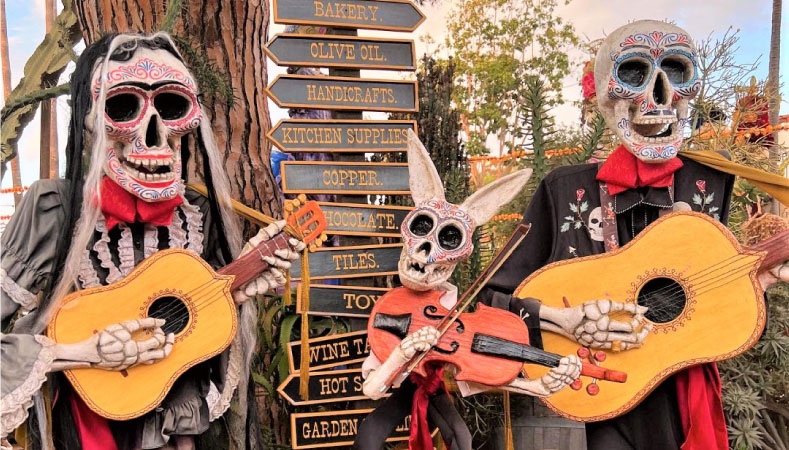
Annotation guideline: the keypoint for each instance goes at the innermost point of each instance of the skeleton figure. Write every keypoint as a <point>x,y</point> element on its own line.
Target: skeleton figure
<point>436,236</point>
<point>644,81</point>
<point>595,224</point>
<point>134,104</point>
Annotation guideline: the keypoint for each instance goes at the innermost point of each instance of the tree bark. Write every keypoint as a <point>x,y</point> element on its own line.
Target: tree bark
<point>231,34</point>
<point>775,63</point>
<point>16,175</point>
<point>49,123</point>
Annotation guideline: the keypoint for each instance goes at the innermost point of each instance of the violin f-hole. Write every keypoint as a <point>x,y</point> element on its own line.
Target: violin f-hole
<point>431,311</point>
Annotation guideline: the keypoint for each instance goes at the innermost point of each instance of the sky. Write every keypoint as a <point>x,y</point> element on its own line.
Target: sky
<point>592,19</point>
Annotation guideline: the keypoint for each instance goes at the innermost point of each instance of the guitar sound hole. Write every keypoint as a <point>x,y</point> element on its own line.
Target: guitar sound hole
<point>171,309</point>
<point>665,299</point>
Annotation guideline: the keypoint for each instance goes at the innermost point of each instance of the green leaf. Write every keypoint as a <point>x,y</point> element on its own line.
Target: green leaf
<point>697,199</point>
<point>573,207</point>
<point>578,225</point>
<point>565,227</point>
<point>709,198</point>
<point>584,206</point>
<point>262,381</point>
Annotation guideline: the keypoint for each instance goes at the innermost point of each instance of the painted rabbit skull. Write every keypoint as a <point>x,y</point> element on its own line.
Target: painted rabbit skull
<point>437,234</point>
<point>645,75</point>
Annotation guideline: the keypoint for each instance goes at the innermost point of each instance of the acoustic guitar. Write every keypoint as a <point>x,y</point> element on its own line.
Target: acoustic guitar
<point>704,300</point>
<point>178,286</point>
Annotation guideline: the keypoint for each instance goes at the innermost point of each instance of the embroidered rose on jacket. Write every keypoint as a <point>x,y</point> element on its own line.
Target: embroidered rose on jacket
<point>703,200</point>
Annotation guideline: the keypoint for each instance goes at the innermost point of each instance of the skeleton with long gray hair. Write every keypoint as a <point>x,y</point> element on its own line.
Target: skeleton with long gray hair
<point>135,116</point>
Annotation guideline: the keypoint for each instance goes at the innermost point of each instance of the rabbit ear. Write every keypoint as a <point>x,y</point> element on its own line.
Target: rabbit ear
<point>423,178</point>
<point>484,203</point>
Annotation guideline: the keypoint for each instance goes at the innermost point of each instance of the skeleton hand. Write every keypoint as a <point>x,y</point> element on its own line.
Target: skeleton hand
<point>118,350</point>
<point>568,370</point>
<point>421,341</point>
<point>274,276</point>
<point>590,324</point>
<point>776,274</point>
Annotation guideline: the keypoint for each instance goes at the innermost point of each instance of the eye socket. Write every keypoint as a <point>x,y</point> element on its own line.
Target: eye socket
<point>122,107</point>
<point>171,106</point>
<point>450,237</point>
<point>676,70</point>
<point>633,72</point>
<point>421,225</point>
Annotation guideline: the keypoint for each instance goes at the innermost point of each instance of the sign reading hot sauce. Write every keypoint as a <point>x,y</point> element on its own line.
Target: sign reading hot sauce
<point>325,387</point>
<point>331,351</point>
<point>353,219</point>
<point>351,262</point>
<point>306,91</point>
<point>324,177</point>
<point>335,428</point>
<point>347,301</point>
<point>392,15</point>
<point>335,135</point>
<point>334,51</point>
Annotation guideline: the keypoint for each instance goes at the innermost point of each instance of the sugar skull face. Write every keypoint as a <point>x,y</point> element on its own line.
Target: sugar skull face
<point>437,234</point>
<point>151,102</point>
<point>645,75</point>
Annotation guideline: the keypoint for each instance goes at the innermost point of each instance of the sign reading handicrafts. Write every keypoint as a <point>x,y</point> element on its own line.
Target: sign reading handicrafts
<point>335,428</point>
<point>331,351</point>
<point>312,50</point>
<point>335,135</point>
<point>352,219</point>
<point>351,261</point>
<point>325,387</point>
<point>325,177</point>
<point>306,91</point>
<point>347,301</point>
<point>391,15</point>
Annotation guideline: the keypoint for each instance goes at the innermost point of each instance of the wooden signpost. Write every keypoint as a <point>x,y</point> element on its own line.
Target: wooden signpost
<point>390,15</point>
<point>335,135</point>
<point>327,177</point>
<point>351,261</point>
<point>331,351</point>
<point>311,50</point>
<point>307,91</point>
<point>353,219</point>
<point>325,387</point>
<point>343,301</point>
<point>335,428</point>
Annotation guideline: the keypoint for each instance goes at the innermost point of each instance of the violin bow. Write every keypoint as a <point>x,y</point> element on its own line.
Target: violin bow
<point>465,300</point>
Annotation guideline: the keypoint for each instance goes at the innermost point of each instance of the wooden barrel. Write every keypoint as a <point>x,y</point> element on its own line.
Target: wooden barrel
<point>535,427</point>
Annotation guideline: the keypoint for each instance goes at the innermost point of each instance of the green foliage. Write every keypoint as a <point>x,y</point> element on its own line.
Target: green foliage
<point>500,45</point>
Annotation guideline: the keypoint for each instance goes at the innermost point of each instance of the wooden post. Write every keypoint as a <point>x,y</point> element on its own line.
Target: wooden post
<point>16,176</point>
<point>49,125</point>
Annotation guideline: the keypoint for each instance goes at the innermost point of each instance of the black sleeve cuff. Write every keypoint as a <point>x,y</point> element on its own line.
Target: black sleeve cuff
<point>528,309</point>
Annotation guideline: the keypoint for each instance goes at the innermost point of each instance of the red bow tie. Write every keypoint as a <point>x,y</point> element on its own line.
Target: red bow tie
<point>623,171</point>
<point>119,205</point>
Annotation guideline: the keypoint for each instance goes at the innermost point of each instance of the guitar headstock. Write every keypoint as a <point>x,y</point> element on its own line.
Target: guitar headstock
<point>307,217</point>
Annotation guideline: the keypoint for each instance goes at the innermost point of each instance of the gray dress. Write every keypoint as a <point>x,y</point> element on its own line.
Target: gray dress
<point>29,244</point>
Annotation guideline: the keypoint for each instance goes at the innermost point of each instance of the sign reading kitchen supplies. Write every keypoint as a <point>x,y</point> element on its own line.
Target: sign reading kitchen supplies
<point>327,177</point>
<point>391,15</point>
<point>307,91</point>
<point>351,261</point>
<point>336,135</point>
<point>331,351</point>
<point>312,50</point>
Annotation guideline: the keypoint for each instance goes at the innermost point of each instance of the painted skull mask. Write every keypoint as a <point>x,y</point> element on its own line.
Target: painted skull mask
<point>151,102</point>
<point>645,75</point>
<point>436,236</point>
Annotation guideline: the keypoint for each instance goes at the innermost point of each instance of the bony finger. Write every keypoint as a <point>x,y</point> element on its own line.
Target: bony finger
<point>149,344</point>
<point>279,275</point>
<point>616,325</point>
<point>261,285</point>
<point>287,254</point>
<point>250,289</point>
<point>131,326</point>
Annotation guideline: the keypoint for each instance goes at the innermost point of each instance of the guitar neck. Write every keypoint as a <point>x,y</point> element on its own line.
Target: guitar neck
<point>251,265</point>
<point>777,248</point>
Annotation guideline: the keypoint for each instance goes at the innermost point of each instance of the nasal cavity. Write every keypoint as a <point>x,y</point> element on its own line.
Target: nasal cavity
<point>152,133</point>
<point>424,247</point>
<point>659,91</point>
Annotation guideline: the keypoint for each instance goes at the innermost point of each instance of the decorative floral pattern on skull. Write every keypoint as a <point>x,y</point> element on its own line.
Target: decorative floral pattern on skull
<point>441,228</point>
<point>645,74</point>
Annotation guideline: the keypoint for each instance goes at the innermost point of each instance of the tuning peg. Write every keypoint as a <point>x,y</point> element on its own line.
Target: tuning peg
<point>289,206</point>
<point>577,385</point>
<point>600,356</point>
<point>313,247</point>
<point>324,237</point>
<point>592,389</point>
<point>302,198</point>
<point>583,352</point>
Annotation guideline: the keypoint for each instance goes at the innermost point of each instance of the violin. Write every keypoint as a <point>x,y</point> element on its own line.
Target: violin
<point>487,346</point>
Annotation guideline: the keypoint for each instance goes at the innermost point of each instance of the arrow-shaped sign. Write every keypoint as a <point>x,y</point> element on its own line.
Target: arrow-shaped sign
<point>312,50</point>
<point>391,15</point>
<point>336,135</point>
<point>306,91</point>
<point>325,387</point>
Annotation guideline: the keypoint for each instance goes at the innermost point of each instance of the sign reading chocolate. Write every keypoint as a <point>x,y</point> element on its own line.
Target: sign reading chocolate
<point>327,177</point>
<point>347,301</point>
<point>335,135</point>
<point>331,351</point>
<point>351,262</point>
<point>352,219</point>
<point>325,387</point>
<point>391,15</point>
<point>335,428</point>
<point>312,50</point>
<point>306,91</point>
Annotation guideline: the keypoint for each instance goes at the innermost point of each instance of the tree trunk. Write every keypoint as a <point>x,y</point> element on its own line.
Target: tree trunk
<point>773,94</point>
<point>49,124</point>
<point>16,176</point>
<point>231,34</point>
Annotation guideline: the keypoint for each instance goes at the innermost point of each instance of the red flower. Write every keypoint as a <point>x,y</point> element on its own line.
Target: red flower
<point>701,184</point>
<point>579,194</point>
<point>587,85</point>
